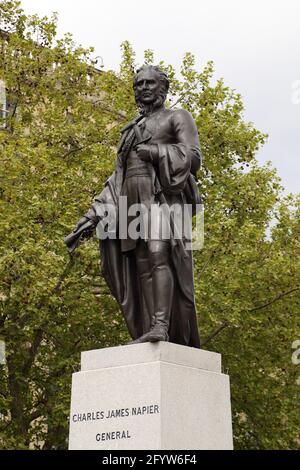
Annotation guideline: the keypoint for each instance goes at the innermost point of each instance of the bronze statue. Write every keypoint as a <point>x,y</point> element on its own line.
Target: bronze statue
<point>151,277</point>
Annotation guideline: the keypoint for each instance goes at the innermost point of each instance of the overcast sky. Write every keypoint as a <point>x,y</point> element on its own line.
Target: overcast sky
<point>255,45</point>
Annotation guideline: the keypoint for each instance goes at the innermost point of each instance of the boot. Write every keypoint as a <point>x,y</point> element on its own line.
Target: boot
<point>146,287</point>
<point>163,288</point>
<point>145,276</point>
<point>156,333</point>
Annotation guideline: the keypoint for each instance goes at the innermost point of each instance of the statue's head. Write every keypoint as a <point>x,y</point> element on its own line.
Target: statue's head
<point>151,87</point>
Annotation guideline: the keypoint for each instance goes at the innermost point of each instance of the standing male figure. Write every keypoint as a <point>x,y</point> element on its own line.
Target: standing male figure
<point>152,277</point>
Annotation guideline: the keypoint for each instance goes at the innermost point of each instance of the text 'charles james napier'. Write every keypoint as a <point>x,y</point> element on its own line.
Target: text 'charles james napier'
<point>115,413</point>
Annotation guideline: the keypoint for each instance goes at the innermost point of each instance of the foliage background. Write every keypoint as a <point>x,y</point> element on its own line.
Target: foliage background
<point>58,148</point>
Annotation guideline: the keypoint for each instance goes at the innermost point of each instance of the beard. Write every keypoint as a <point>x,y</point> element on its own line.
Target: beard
<point>145,108</point>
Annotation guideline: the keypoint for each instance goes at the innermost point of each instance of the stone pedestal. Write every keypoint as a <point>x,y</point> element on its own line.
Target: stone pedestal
<point>150,396</point>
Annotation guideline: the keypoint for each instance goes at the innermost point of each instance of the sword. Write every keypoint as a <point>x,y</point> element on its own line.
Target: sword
<point>139,137</point>
<point>161,197</point>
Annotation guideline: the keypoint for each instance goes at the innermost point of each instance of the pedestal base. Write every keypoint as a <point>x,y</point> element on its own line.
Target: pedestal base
<point>150,396</point>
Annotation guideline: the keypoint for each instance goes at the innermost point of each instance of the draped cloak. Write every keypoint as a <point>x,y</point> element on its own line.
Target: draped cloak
<point>174,164</point>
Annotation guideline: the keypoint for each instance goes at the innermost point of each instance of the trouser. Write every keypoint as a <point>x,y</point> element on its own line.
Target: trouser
<point>154,267</point>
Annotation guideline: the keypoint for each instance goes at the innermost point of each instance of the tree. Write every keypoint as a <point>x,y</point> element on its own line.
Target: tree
<point>58,149</point>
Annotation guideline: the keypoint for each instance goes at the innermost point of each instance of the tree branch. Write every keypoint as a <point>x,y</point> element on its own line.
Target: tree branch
<point>33,350</point>
<point>121,117</point>
<point>278,297</point>
<point>206,263</point>
<point>227,324</point>
<point>84,147</point>
<point>35,415</point>
<point>8,423</point>
<point>23,320</point>
<point>178,101</point>
<point>215,333</point>
<point>39,331</point>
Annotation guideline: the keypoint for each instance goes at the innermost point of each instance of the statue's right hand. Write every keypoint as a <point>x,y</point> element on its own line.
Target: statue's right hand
<point>80,222</point>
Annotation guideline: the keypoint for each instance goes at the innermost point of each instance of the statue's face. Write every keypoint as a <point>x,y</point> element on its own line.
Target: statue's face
<point>147,86</point>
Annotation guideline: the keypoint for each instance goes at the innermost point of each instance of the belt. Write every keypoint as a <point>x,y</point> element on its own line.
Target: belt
<point>140,169</point>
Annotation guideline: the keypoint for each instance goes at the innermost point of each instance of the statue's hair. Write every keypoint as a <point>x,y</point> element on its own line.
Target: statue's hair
<point>162,75</point>
<point>164,80</point>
